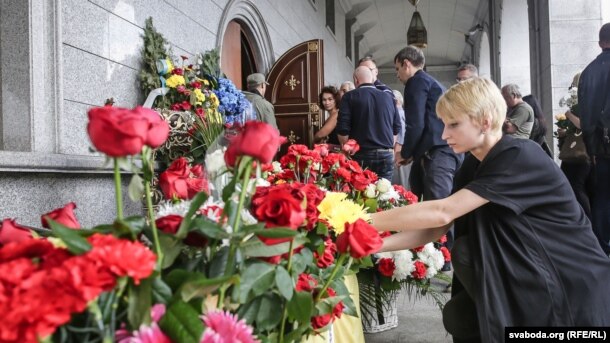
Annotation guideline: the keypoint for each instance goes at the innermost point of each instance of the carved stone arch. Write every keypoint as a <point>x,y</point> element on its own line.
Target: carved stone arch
<point>255,29</point>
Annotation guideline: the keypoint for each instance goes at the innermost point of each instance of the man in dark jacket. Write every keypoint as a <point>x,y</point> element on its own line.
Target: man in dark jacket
<point>434,162</point>
<point>594,111</point>
<point>256,95</point>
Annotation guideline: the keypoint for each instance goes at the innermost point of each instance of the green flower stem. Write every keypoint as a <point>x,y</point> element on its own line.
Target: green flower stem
<point>240,206</point>
<point>285,312</point>
<point>221,296</point>
<point>332,275</point>
<point>117,189</point>
<point>153,225</point>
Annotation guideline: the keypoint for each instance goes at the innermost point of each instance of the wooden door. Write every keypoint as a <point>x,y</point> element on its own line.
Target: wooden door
<point>296,80</point>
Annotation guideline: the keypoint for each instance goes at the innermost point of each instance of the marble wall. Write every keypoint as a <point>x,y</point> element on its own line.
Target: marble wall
<point>58,58</point>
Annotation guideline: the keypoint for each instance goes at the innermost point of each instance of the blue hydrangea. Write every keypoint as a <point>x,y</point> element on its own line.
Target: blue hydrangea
<point>232,101</point>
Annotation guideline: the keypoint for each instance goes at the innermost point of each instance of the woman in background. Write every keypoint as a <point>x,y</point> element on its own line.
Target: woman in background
<point>539,129</point>
<point>329,102</point>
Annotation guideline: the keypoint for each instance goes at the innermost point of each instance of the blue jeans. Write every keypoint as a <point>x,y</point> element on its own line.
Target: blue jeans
<point>600,203</point>
<point>380,161</point>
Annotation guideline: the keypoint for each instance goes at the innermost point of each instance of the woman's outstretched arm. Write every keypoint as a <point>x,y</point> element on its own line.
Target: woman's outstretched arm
<point>428,214</point>
<point>412,239</point>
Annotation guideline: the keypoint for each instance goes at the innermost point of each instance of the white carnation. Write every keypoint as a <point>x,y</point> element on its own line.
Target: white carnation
<point>277,166</point>
<point>431,272</point>
<point>369,192</point>
<point>167,208</point>
<point>389,195</point>
<point>403,260</point>
<point>384,185</point>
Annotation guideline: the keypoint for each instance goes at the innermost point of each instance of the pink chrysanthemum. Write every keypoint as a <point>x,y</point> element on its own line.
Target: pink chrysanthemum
<point>224,327</point>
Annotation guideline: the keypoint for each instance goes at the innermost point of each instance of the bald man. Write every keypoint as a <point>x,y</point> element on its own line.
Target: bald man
<point>369,116</point>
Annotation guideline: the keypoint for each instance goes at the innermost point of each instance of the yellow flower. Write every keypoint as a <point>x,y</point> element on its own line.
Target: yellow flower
<point>338,210</point>
<point>330,199</point>
<point>560,117</point>
<point>215,102</point>
<point>175,81</point>
<point>199,95</point>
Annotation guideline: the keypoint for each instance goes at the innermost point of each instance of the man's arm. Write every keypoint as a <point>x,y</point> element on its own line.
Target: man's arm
<point>268,114</point>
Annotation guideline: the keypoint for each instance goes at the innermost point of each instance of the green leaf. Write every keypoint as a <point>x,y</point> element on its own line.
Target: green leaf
<point>321,229</point>
<point>136,188</point>
<point>256,248</point>
<point>161,292</point>
<point>76,244</point>
<point>202,286</point>
<point>284,282</point>
<point>228,190</point>
<point>268,314</point>
<point>208,228</point>
<point>139,303</point>
<point>171,247</point>
<point>219,262</point>
<point>129,227</point>
<point>257,278</point>
<point>181,323</point>
<point>177,277</point>
<point>301,260</point>
<point>300,307</point>
<point>276,232</point>
<point>196,203</point>
<point>340,286</point>
<point>249,310</point>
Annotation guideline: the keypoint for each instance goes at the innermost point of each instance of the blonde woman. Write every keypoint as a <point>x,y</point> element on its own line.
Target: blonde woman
<point>525,254</point>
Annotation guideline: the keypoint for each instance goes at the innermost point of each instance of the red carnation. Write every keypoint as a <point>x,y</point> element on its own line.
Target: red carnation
<point>419,273</point>
<point>386,266</point>
<point>446,254</point>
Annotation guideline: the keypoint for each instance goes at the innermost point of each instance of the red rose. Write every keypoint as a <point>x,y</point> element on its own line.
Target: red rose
<point>386,267</point>
<point>180,181</point>
<point>65,216</point>
<point>10,231</point>
<point>169,224</point>
<point>319,322</point>
<point>121,132</point>
<point>259,140</point>
<point>350,147</point>
<point>306,283</point>
<point>446,254</point>
<point>277,208</point>
<point>328,257</point>
<point>419,272</point>
<point>359,239</point>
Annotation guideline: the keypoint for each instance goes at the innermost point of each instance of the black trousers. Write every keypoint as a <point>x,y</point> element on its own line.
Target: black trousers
<point>460,314</point>
<point>580,177</point>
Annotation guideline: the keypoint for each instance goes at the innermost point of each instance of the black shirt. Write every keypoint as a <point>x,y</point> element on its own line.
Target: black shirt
<point>536,260</point>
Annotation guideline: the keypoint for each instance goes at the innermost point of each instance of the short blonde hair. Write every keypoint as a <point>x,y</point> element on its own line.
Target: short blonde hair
<point>476,98</point>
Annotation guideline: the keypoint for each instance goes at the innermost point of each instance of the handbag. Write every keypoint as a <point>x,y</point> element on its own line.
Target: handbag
<point>573,148</point>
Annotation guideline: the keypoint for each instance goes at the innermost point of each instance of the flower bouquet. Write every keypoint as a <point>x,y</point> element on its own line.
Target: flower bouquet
<point>259,263</point>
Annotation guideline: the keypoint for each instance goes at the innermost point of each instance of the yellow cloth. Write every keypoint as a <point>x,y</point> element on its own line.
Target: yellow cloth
<point>346,329</point>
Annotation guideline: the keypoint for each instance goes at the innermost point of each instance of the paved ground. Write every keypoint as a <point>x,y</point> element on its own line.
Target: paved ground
<point>419,321</point>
